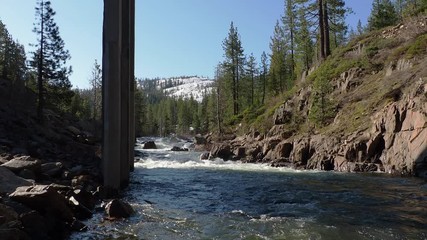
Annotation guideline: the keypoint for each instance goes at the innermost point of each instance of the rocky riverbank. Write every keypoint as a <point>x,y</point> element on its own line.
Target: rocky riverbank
<point>49,173</point>
<point>380,122</point>
<point>395,143</point>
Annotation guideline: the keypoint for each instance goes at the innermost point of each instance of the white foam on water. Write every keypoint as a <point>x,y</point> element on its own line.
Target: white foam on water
<point>191,161</point>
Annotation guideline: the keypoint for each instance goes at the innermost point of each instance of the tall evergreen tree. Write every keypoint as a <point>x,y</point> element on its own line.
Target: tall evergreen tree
<point>290,27</point>
<point>79,105</point>
<point>277,83</point>
<point>96,83</point>
<point>252,71</point>
<point>327,17</point>
<point>338,26</point>
<point>360,29</point>
<point>263,75</point>
<point>305,46</point>
<point>383,14</point>
<point>324,38</point>
<point>219,97</point>
<point>322,108</point>
<point>50,59</point>
<point>234,60</point>
<point>12,57</point>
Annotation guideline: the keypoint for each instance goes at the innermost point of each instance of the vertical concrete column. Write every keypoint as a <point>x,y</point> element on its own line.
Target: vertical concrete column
<point>111,74</point>
<point>124,89</point>
<point>132,85</point>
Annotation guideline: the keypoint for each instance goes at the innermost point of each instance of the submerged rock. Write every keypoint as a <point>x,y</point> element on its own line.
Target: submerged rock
<point>178,149</point>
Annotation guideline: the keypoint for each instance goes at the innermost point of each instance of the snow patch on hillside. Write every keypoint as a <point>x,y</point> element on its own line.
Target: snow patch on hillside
<point>187,87</point>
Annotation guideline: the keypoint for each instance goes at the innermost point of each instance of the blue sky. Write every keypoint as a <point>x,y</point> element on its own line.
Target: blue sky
<point>173,37</point>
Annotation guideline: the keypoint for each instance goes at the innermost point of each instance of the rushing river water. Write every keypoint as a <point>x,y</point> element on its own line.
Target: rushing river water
<point>178,196</point>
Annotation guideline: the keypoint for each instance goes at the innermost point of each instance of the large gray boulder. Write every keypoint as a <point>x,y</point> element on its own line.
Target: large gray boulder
<point>221,151</point>
<point>9,181</point>
<point>24,162</point>
<point>45,199</point>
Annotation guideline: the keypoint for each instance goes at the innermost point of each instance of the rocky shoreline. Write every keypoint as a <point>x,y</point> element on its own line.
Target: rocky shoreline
<point>394,141</point>
<point>49,173</point>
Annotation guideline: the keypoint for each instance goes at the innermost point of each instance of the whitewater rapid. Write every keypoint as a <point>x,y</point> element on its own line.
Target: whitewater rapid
<point>178,196</point>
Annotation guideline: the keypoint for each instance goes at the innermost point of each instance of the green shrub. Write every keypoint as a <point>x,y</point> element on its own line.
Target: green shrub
<point>419,47</point>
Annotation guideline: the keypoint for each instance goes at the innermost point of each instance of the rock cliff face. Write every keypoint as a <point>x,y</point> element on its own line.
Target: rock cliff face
<point>395,143</point>
<point>380,123</point>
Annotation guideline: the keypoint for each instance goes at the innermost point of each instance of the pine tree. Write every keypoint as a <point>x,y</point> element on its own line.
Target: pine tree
<point>203,113</point>
<point>383,14</point>
<point>322,108</point>
<point>338,26</point>
<point>12,58</point>
<point>415,7</point>
<point>360,28</point>
<point>290,27</point>
<point>324,39</point>
<point>79,105</point>
<point>277,83</point>
<point>234,60</point>
<point>50,60</point>
<point>328,18</point>
<point>96,83</point>
<point>305,45</point>
<point>251,70</point>
<point>218,99</point>
<point>263,75</point>
<point>141,113</point>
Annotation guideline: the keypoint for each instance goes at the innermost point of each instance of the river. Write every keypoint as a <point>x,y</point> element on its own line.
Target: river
<point>178,196</point>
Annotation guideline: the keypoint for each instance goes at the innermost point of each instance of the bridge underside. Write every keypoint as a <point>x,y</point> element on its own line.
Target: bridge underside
<point>118,92</point>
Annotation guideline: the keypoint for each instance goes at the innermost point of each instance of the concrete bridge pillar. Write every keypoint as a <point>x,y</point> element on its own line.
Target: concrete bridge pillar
<point>132,85</point>
<point>124,95</point>
<point>117,76</point>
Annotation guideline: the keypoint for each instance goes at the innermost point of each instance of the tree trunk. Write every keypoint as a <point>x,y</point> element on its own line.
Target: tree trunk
<point>237,85</point>
<point>292,47</point>
<point>322,52</point>
<point>263,86</point>
<point>252,92</point>
<point>218,112</point>
<point>326,29</point>
<point>40,105</point>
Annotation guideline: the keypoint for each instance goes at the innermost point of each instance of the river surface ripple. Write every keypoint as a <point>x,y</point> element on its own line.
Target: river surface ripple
<point>178,196</point>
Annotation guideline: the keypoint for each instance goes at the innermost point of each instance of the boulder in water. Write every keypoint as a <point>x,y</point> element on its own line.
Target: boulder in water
<point>117,209</point>
<point>222,151</point>
<point>150,145</point>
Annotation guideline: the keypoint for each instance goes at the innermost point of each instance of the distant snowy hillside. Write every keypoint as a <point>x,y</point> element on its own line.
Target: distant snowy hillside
<point>186,87</point>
